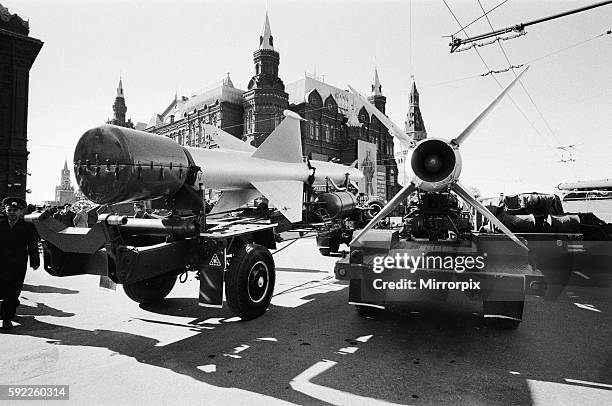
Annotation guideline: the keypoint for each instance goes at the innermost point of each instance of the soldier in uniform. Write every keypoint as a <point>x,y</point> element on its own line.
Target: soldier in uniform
<point>139,211</point>
<point>18,240</point>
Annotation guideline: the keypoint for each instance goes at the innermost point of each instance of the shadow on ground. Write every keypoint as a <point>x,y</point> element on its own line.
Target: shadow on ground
<point>48,289</point>
<point>427,353</point>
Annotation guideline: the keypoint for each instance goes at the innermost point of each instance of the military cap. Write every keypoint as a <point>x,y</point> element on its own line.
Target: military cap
<point>14,202</point>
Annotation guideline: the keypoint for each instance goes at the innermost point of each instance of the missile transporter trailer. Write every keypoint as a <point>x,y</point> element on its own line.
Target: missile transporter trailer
<point>559,243</point>
<point>338,214</point>
<point>115,165</point>
<point>436,250</point>
<point>147,256</point>
<point>434,253</point>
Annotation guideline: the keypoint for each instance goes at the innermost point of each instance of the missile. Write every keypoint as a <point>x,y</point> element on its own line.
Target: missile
<point>436,165</point>
<point>117,165</point>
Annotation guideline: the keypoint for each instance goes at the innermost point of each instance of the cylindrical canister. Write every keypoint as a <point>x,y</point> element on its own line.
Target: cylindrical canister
<point>116,164</point>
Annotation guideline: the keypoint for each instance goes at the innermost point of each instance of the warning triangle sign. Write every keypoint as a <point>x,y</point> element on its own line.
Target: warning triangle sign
<point>214,261</point>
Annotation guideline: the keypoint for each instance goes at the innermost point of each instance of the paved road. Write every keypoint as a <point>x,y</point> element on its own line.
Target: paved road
<point>309,348</point>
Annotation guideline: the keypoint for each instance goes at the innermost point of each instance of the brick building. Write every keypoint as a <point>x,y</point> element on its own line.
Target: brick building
<point>17,54</point>
<point>335,121</point>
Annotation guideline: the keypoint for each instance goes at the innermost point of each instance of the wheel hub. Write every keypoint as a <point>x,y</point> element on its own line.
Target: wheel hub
<point>258,283</point>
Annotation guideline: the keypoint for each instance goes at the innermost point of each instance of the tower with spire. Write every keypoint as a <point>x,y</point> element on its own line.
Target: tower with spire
<point>265,98</point>
<point>119,109</point>
<point>376,98</point>
<point>414,125</point>
<point>64,193</point>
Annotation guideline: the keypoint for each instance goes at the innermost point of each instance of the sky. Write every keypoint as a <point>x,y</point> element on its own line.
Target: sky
<point>160,48</point>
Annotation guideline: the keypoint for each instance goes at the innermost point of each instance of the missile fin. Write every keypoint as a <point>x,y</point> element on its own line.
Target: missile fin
<point>389,207</point>
<point>284,144</point>
<point>234,199</point>
<point>470,128</point>
<point>226,140</point>
<point>395,131</point>
<point>285,195</point>
<point>471,200</point>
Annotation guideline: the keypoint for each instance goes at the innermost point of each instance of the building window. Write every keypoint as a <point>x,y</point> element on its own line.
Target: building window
<point>317,133</point>
<point>251,123</point>
<point>311,129</point>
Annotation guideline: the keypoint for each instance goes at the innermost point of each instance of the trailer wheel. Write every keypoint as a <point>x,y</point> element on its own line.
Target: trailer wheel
<point>249,282</point>
<point>150,290</point>
<point>334,245</point>
<point>373,209</point>
<point>325,251</point>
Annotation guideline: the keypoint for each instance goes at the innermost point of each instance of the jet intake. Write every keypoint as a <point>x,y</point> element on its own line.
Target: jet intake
<point>116,165</point>
<point>433,160</point>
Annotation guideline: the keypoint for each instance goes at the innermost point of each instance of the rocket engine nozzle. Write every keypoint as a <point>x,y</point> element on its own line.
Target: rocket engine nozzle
<point>116,165</point>
<point>436,163</point>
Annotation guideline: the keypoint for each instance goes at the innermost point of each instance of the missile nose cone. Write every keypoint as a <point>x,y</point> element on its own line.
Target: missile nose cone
<point>433,163</point>
<point>96,157</point>
<point>116,164</point>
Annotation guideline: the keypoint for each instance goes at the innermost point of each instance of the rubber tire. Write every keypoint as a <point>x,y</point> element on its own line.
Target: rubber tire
<point>325,251</point>
<point>237,281</point>
<point>366,311</point>
<point>334,246</point>
<point>373,209</point>
<point>150,290</point>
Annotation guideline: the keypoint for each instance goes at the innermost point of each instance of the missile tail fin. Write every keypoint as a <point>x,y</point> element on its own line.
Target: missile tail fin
<point>286,196</point>
<point>284,144</point>
<point>233,199</point>
<point>226,140</point>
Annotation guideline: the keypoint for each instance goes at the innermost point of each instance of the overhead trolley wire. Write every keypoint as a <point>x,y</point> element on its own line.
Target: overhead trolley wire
<point>482,16</point>
<point>499,84</point>
<point>520,28</point>
<point>520,81</point>
<point>569,47</point>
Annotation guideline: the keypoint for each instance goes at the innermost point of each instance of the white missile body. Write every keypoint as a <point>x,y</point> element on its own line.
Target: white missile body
<point>147,166</point>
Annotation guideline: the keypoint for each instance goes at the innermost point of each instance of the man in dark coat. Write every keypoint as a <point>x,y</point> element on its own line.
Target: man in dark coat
<point>67,216</point>
<point>139,211</point>
<point>18,240</point>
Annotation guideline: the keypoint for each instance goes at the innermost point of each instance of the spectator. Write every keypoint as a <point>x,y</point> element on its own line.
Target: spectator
<point>80,218</point>
<point>139,211</point>
<point>17,241</point>
<point>67,216</point>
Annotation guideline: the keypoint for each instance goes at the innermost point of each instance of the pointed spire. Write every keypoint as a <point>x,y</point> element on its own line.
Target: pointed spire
<point>266,40</point>
<point>414,93</point>
<point>65,164</point>
<point>414,125</point>
<point>120,89</point>
<point>228,81</point>
<point>376,87</point>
